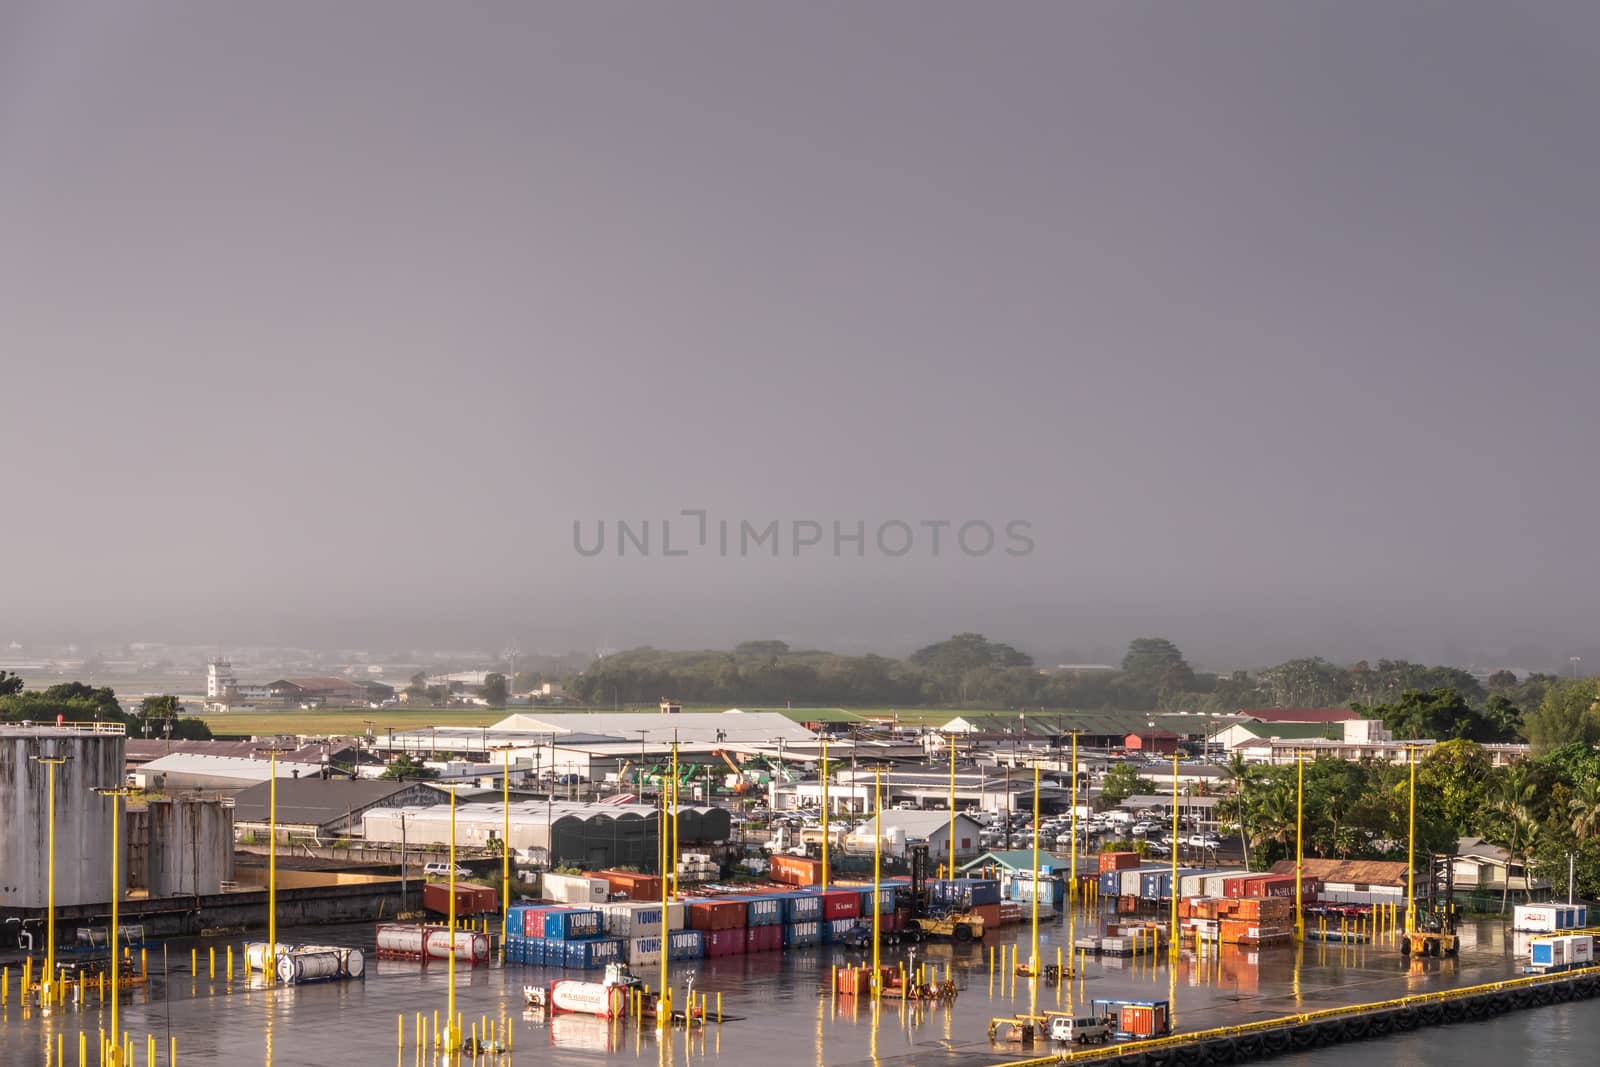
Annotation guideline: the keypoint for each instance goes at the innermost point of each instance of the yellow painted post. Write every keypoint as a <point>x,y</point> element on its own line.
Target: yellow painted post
<point>1033,958</point>
<point>953,807</point>
<point>230,964</point>
<point>452,1037</point>
<point>211,955</point>
<point>172,1052</point>
<point>719,1007</point>
<point>1172,935</point>
<point>1072,884</point>
<point>824,776</point>
<point>1299,842</point>
<point>83,1049</point>
<point>144,963</point>
<point>1411,846</point>
<point>5,985</point>
<point>400,1031</point>
<point>877,862</point>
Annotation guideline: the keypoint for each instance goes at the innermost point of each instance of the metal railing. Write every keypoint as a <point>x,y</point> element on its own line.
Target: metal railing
<point>1130,1048</point>
<point>115,728</point>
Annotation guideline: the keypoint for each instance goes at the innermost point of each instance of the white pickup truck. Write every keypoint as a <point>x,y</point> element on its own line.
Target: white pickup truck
<point>1079,1031</point>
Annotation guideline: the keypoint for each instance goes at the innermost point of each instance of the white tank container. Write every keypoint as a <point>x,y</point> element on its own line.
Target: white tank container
<point>402,940</point>
<point>469,947</point>
<point>302,966</point>
<point>587,998</point>
<point>255,956</point>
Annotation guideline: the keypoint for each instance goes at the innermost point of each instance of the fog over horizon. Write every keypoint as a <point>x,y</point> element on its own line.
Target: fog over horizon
<point>1275,326</point>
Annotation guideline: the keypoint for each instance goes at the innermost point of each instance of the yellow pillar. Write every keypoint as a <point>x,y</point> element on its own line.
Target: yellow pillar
<point>1411,846</point>
<point>877,875</point>
<point>1172,944</point>
<point>505,864</point>
<point>452,1032</point>
<point>952,738</point>
<point>1299,841</point>
<point>1033,958</point>
<point>824,776</point>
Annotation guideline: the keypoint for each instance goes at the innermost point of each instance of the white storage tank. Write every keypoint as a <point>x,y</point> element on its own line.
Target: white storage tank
<point>397,940</point>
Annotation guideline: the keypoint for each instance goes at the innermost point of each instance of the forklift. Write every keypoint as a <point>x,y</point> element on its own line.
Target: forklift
<point>923,921</point>
<point>1433,931</point>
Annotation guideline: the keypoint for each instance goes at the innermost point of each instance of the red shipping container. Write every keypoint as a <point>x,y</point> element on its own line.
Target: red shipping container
<point>635,886</point>
<point>728,942</point>
<point>841,904</point>
<point>717,914</point>
<point>1118,861</point>
<point>470,899</point>
<point>764,938</point>
<point>533,922</point>
<point>990,913</point>
<point>796,870</point>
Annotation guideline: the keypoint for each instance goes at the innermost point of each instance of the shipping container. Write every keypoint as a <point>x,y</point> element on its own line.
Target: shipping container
<point>470,899</point>
<point>1135,1018</point>
<point>686,944</point>
<point>1548,918</point>
<point>640,918</point>
<point>643,951</point>
<point>796,870</point>
<point>633,886</point>
<point>727,942</point>
<point>1130,879</point>
<point>572,924</point>
<point>802,907</point>
<point>595,952</point>
<point>802,934</point>
<point>717,914</point>
<point>763,911</point>
<point>574,889</point>
<point>763,939</point>
<point>1118,861</point>
<point>833,930</point>
<point>841,904</point>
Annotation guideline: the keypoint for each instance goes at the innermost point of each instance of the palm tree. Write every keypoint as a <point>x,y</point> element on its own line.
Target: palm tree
<point>1236,771</point>
<point>1585,807</point>
<point>1276,818</point>
<point>1513,798</point>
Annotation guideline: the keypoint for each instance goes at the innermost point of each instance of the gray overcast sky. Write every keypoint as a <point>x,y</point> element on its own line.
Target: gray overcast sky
<point>324,322</point>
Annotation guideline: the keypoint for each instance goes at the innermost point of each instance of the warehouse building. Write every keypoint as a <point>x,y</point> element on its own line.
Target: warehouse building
<point>593,836</point>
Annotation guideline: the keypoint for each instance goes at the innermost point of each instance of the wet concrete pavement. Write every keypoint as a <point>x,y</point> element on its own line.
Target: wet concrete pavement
<point>777,1004</point>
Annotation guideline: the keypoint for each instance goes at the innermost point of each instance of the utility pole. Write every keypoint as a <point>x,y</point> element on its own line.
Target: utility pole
<point>270,966</point>
<point>114,1039</point>
<point>51,762</point>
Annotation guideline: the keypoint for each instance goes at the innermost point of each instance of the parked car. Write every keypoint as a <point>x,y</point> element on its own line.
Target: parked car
<point>1203,841</point>
<point>442,870</point>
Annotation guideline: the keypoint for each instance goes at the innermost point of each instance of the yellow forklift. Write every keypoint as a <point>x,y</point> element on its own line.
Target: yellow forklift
<point>1433,930</point>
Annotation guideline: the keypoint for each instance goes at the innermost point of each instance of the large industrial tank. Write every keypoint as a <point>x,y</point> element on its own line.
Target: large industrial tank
<point>304,966</point>
<point>94,755</point>
<point>189,847</point>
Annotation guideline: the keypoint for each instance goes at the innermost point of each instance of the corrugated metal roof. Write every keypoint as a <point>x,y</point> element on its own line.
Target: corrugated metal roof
<point>1361,872</point>
<point>237,767</point>
<point>695,726</point>
<point>1300,714</point>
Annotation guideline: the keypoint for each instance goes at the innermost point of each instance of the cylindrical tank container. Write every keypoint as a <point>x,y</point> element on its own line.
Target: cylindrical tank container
<point>401,941</point>
<point>255,955</point>
<point>587,998</point>
<point>352,961</point>
<point>298,967</point>
<point>469,947</point>
<point>94,759</point>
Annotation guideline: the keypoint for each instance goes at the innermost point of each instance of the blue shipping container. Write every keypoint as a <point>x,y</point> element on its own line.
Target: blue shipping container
<point>1155,885</point>
<point>764,911</point>
<point>686,944</point>
<point>1109,881</point>
<point>834,929</point>
<point>572,925</point>
<point>802,907</point>
<point>802,934</point>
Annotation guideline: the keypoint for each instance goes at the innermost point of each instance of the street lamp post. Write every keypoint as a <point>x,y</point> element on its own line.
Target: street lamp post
<point>114,1040</point>
<point>52,762</point>
<point>270,966</point>
<point>1299,841</point>
<point>505,856</point>
<point>824,770</point>
<point>1411,844</point>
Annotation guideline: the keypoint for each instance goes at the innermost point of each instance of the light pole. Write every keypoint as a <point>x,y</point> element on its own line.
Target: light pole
<point>952,739</point>
<point>505,857</point>
<point>51,762</point>
<point>114,1041</point>
<point>1299,840</point>
<point>1072,884</point>
<point>452,1033</point>
<point>825,815</point>
<point>1172,935</point>
<point>270,966</point>
<point>1033,960</point>
<point>877,876</point>
<point>1411,845</point>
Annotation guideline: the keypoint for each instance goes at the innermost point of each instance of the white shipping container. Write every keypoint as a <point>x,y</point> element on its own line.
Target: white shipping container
<point>640,918</point>
<point>574,889</point>
<point>643,951</point>
<point>1207,884</point>
<point>1582,949</point>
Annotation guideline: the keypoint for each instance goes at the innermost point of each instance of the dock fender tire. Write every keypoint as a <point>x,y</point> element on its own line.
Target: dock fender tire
<point>1357,1027</point>
<point>1249,1046</point>
<point>1277,1041</point>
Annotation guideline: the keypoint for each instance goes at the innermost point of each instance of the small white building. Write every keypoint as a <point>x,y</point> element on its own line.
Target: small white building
<point>902,829</point>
